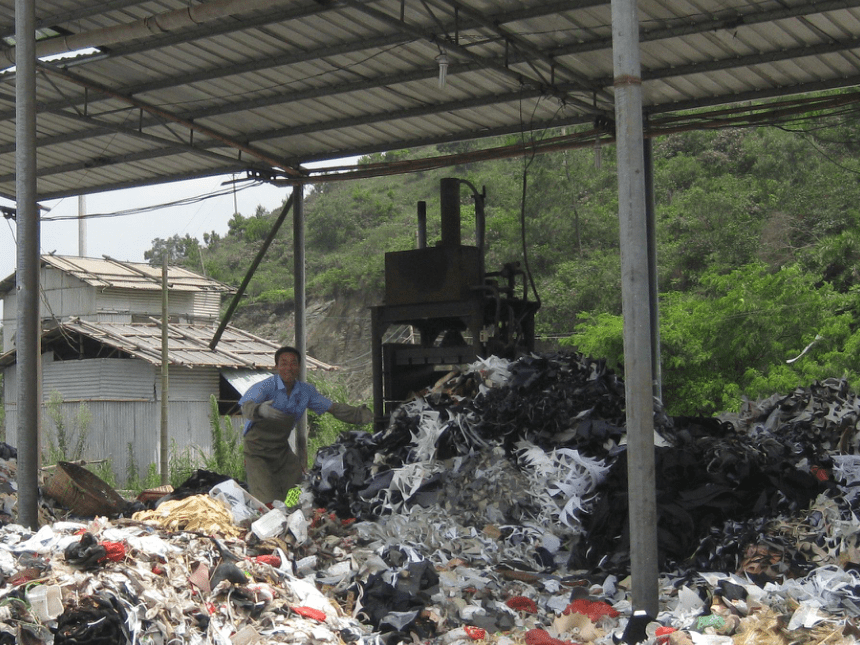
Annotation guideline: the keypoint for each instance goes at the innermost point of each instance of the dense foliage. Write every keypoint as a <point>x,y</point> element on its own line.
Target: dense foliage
<point>758,250</point>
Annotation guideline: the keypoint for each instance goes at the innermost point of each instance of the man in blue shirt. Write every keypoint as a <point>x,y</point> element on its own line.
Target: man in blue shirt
<point>272,408</point>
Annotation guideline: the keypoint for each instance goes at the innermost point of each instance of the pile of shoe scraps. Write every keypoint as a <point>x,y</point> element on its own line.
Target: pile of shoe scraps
<point>510,482</point>
<point>491,509</point>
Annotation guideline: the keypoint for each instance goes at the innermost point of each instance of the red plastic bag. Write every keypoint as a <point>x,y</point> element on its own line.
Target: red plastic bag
<point>594,609</point>
<point>521,603</point>
<point>310,612</point>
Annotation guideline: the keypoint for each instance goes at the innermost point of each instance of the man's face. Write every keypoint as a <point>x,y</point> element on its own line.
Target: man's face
<point>288,368</point>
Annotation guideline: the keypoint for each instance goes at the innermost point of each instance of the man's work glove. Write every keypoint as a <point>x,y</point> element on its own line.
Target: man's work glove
<point>351,414</point>
<point>270,412</point>
<point>265,410</point>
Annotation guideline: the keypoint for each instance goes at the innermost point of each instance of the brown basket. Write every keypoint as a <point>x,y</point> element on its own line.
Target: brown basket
<point>83,492</point>
<point>154,494</point>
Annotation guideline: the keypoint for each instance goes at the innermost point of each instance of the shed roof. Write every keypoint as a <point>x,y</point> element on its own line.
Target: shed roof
<point>110,273</point>
<point>188,345</point>
<point>176,89</point>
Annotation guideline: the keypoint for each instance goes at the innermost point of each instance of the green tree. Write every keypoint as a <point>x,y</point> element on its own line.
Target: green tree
<point>741,335</point>
<point>184,251</point>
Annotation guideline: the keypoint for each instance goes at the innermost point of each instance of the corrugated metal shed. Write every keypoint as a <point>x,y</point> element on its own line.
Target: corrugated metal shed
<point>188,345</point>
<point>108,273</point>
<point>173,89</point>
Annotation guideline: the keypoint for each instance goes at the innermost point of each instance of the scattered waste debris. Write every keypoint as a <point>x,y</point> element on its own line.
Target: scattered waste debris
<point>491,509</point>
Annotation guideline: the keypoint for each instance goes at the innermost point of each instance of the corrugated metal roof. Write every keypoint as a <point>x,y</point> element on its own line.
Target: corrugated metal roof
<point>180,88</point>
<point>109,273</point>
<point>243,379</point>
<point>188,345</point>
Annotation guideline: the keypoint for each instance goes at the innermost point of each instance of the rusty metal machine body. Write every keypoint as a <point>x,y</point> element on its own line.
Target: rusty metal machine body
<point>457,311</point>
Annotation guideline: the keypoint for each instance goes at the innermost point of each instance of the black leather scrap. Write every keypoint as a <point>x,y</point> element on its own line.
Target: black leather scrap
<point>559,400</point>
<point>720,480</point>
<point>86,553</point>
<point>93,620</point>
<point>200,482</point>
<point>406,587</point>
<point>563,399</point>
<point>702,483</point>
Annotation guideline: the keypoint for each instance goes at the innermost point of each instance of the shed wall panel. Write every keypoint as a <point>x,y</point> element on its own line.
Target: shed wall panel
<point>63,302</point>
<point>93,379</point>
<point>186,384</point>
<point>10,385</point>
<point>142,302</point>
<point>125,431</point>
<point>207,305</point>
<point>10,319</point>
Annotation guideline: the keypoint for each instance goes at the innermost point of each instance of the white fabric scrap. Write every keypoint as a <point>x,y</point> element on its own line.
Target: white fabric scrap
<point>407,480</point>
<point>846,469</point>
<point>42,542</point>
<point>493,370</point>
<point>709,639</point>
<point>564,480</point>
<point>806,616</point>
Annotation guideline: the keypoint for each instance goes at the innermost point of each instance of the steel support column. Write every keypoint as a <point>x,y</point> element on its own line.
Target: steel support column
<point>28,332</point>
<point>301,309</point>
<point>635,280</point>
<point>653,291</point>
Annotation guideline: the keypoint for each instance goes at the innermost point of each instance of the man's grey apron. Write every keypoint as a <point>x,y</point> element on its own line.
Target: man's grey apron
<point>271,466</point>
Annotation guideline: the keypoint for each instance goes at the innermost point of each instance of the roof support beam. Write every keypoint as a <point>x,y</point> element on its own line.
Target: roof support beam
<point>106,128</point>
<point>86,11</point>
<point>142,155</point>
<point>167,21</point>
<point>321,92</point>
<point>525,49</point>
<point>250,272</point>
<point>465,52</point>
<point>481,133</point>
<point>168,146</point>
<point>731,21</point>
<point>169,116</point>
<point>135,183</point>
<point>752,95</point>
<point>292,57</point>
<point>751,60</point>
<point>286,14</point>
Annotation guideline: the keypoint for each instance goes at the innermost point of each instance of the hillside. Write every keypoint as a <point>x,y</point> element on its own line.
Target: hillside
<point>338,334</point>
<point>758,254</point>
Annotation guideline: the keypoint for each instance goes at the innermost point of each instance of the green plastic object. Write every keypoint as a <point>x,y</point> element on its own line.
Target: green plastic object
<point>712,620</point>
<point>293,497</point>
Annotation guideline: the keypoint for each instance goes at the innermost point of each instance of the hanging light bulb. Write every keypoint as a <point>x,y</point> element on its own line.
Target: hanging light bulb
<point>442,59</point>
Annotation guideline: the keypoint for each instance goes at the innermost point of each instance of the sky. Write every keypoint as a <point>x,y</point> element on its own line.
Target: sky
<point>127,237</point>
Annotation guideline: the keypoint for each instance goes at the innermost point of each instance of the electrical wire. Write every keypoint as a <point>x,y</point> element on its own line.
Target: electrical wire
<point>185,201</point>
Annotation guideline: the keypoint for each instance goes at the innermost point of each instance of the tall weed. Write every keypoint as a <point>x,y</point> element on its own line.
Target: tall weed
<point>67,440</point>
<point>227,457</point>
